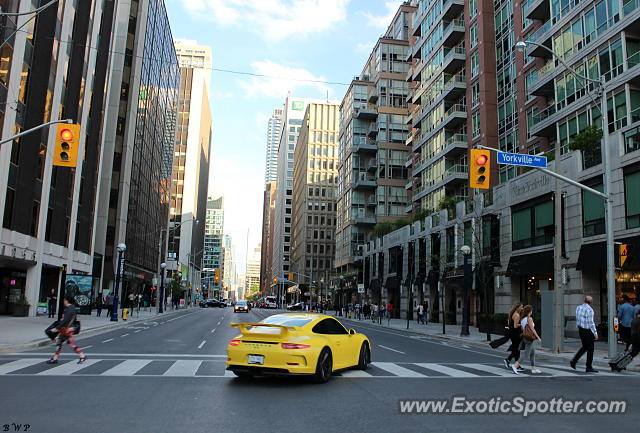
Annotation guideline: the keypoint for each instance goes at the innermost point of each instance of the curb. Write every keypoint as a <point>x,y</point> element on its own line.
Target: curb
<point>90,332</point>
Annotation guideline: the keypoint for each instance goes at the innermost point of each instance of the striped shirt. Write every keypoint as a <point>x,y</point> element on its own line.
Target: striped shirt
<point>584,318</point>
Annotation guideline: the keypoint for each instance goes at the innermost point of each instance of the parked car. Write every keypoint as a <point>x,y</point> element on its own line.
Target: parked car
<point>214,303</point>
<point>296,306</point>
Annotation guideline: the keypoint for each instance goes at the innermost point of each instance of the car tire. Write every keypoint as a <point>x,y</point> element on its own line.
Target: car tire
<point>324,367</point>
<point>243,374</point>
<point>365,357</point>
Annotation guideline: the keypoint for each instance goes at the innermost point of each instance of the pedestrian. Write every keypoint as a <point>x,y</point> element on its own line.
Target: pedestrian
<point>389,311</point>
<point>636,308</point>
<point>530,339</point>
<point>588,334</point>
<point>635,336</point>
<point>99,303</point>
<point>51,303</point>
<point>514,334</point>
<point>420,314</point>
<point>625,315</point>
<point>109,303</point>
<point>66,331</point>
<point>366,310</point>
<point>131,298</point>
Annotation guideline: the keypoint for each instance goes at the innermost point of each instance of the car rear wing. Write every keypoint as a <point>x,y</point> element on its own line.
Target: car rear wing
<point>244,328</point>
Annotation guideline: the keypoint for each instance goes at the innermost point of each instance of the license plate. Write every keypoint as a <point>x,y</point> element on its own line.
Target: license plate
<point>256,359</point>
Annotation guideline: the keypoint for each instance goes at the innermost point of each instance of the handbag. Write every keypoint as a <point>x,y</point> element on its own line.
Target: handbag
<point>528,333</point>
<point>76,327</point>
<point>52,334</point>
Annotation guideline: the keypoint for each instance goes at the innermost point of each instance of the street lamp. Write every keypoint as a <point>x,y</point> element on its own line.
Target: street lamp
<point>466,252</point>
<point>608,197</point>
<point>161,300</point>
<point>114,311</point>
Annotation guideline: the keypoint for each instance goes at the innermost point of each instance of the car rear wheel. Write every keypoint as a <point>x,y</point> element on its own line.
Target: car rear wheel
<point>365,357</point>
<point>324,367</point>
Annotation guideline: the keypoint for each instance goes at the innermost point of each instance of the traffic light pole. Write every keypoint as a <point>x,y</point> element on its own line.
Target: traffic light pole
<point>35,128</point>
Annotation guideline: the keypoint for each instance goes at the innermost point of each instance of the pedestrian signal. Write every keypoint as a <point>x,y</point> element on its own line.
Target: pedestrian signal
<point>66,145</point>
<point>480,169</point>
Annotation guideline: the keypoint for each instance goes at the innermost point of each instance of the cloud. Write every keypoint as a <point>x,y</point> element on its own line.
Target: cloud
<point>261,120</point>
<point>274,19</point>
<point>365,47</point>
<point>281,80</point>
<point>383,21</point>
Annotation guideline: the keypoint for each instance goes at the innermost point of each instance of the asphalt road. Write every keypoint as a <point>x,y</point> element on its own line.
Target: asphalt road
<point>168,376</point>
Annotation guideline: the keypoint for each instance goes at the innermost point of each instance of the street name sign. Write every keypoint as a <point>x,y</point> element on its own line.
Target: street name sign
<point>522,159</point>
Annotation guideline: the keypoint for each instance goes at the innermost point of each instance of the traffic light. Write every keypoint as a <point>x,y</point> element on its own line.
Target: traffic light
<point>275,281</point>
<point>623,253</point>
<point>480,169</point>
<point>217,277</point>
<point>66,145</point>
<point>290,276</point>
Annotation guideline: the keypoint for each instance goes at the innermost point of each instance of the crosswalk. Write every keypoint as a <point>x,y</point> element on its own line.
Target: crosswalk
<point>215,368</point>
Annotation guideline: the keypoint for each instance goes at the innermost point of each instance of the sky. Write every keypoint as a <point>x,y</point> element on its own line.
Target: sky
<point>324,41</point>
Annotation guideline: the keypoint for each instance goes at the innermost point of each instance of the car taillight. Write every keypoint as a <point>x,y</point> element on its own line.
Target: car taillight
<point>294,346</point>
<point>234,342</point>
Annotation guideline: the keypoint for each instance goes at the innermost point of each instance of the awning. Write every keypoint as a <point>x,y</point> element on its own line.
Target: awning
<point>391,283</point>
<point>530,264</point>
<point>593,256</point>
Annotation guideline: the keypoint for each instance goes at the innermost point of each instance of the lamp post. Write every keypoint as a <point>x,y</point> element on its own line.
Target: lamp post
<point>161,300</point>
<point>606,178</point>
<point>466,252</point>
<point>114,311</point>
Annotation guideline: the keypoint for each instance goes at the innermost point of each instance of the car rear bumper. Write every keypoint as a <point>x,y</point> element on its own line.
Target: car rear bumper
<point>265,371</point>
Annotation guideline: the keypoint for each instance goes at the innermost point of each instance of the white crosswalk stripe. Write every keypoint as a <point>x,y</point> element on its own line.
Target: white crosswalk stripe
<point>214,368</point>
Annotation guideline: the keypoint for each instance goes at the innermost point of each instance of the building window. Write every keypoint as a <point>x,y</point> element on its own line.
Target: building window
<point>592,212</point>
<point>473,35</point>
<point>632,199</point>
<point>533,226</point>
<point>475,125</point>
<point>473,8</point>
<point>474,64</point>
<point>475,94</point>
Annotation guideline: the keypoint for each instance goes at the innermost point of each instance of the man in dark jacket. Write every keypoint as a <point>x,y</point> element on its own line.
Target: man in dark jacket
<point>65,328</point>
<point>635,335</point>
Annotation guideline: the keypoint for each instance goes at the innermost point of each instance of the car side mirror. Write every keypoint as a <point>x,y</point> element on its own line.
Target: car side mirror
<point>352,332</point>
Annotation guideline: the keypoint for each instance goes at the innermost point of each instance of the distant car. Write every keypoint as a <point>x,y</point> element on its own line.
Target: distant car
<point>241,306</point>
<point>297,306</point>
<point>211,303</point>
<point>297,344</point>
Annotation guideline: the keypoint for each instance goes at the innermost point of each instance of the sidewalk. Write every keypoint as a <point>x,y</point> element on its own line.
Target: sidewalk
<point>23,333</point>
<point>476,338</point>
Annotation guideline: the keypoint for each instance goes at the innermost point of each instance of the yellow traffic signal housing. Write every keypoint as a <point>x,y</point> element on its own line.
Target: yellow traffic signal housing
<point>290,276</point>
<point>623,254</point>
<point>66,145</point>
<point>480,169</point>
<point>275,281</point>
<point>217,277</point>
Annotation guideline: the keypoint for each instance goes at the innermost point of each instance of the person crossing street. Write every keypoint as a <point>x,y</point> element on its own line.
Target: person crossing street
<point>588,334</point>
<point>66,332</point>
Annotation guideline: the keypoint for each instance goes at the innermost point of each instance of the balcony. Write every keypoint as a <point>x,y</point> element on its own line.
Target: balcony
<point>453,33</point>
<point>454,60</point>
<point>454,116</point>
<point>372,131</point>
<point>372,166</point>
<point>455,145</point>
<point>452,9</point>
<point>409,184</point>
<point>363,113</point>
<point>364,219</point>
<point>541,35</point>
<point>542,83</point>
<point>363,180</point>
<point>371,201</point>
<point>540,126</point>
<point>538,10</point>
<point>455,87</point>
<point>365,146</point>
<point>373,96</point>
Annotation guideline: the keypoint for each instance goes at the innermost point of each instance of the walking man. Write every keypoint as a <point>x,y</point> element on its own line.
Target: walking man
<point>109,303</point>
<point>626,316</point>
<point>588,334</point>
<point>420,314</point>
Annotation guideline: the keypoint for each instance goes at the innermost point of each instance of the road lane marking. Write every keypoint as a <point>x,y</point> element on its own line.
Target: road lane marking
<point>151,355</point>
<point>355,373</point>
<point>18,365</point>
<point>86,347</point>
<point>229,373</point>
<point>106,341</point>
<point>139,330</point>
<point>388,348</point>
<point>123,335</point>
<point>397,370</point>
<point>491,369</point>
<point>219,322</point>
<point>446,370</point>
<point>68,368</point>
<point>213,330</point>
<point>183,368</point>
<point>128,367</point>
<point>202,344</point>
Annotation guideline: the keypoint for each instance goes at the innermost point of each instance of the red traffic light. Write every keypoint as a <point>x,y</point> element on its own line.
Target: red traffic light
<point>66,135</point>
<point>482,160</point>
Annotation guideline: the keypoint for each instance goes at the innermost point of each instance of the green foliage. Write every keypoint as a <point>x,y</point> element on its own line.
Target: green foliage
<point>588,142</point>
<point>448,203</point>
<point>384,228</point>
<point>175,286</point>
<point>421,214</point>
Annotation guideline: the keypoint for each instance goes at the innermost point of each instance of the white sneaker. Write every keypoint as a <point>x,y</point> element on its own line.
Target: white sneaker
<point>515,369</point>
<point>536,371</point>
<point>506,364</point>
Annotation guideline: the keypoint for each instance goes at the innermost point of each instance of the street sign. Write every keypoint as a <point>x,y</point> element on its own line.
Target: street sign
<point>522,159</point>
<point>624,253</point>
<point>360,288</point>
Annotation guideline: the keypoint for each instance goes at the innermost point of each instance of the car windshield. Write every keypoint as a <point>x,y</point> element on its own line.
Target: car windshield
<point>241,303</point>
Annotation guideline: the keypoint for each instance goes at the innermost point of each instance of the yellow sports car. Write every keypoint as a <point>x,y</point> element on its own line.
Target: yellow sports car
<point>296,344</point>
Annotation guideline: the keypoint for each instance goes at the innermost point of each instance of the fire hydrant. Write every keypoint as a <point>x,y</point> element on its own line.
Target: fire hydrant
<point>125,313</point>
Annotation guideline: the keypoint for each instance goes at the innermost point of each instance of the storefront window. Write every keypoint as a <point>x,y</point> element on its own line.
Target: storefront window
<point>533,226</point>
<point>592,213</point>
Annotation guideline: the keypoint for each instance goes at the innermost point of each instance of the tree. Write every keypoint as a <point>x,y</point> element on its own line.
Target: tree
<point>175,286</point>
<point>588,142</point>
